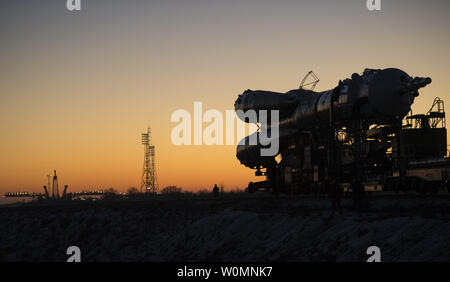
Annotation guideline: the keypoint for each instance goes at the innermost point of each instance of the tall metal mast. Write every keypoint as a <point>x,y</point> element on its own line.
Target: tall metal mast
<point>49,185</point>
<point>55,186</point>
<point>149,182</point>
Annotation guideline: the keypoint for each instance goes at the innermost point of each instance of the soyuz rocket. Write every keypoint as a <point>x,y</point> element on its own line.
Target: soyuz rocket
<point>377,96</point>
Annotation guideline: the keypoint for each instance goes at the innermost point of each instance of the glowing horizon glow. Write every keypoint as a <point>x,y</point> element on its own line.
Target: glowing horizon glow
<point>77,89</point>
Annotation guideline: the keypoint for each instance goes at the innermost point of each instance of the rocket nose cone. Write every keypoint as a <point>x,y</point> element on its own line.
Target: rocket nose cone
<point>387,93</point>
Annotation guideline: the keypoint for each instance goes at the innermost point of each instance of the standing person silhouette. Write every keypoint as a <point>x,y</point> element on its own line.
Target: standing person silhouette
<point>216,191</point>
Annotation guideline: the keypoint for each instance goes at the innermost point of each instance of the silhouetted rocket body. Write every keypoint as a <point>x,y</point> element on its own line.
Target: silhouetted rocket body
<point>375,96</point>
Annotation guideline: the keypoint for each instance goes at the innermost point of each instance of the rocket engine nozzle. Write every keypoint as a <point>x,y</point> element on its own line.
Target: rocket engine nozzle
<point>416,84</point>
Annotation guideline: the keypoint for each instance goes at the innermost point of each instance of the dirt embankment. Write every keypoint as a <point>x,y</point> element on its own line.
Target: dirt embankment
<point>238,229</point>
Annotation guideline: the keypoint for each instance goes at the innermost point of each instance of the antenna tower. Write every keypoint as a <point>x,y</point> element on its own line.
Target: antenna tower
<point>149,183</point>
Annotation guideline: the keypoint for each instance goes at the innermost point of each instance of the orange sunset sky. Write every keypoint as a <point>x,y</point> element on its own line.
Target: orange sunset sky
<point>78,88</point>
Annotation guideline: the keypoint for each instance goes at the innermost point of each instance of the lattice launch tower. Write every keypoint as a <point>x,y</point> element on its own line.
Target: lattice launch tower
<point>149,182</point>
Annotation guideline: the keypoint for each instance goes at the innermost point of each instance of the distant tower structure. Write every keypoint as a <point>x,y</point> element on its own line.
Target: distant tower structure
<point>49,177</point>
<point>54,188</point>
<point>55,193</point>
<point>149,183</point>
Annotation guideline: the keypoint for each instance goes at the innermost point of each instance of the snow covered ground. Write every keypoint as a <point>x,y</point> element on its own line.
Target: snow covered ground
<point>247,228</point>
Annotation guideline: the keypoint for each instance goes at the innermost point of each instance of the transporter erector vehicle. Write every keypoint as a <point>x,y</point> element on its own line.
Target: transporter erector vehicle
<point>362,131</point>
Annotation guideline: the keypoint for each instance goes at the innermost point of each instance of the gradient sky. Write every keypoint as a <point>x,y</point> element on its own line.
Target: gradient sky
<point>78,88</point>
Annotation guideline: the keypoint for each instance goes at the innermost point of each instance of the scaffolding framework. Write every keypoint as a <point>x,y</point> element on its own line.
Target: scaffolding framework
<point>149,182</point>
